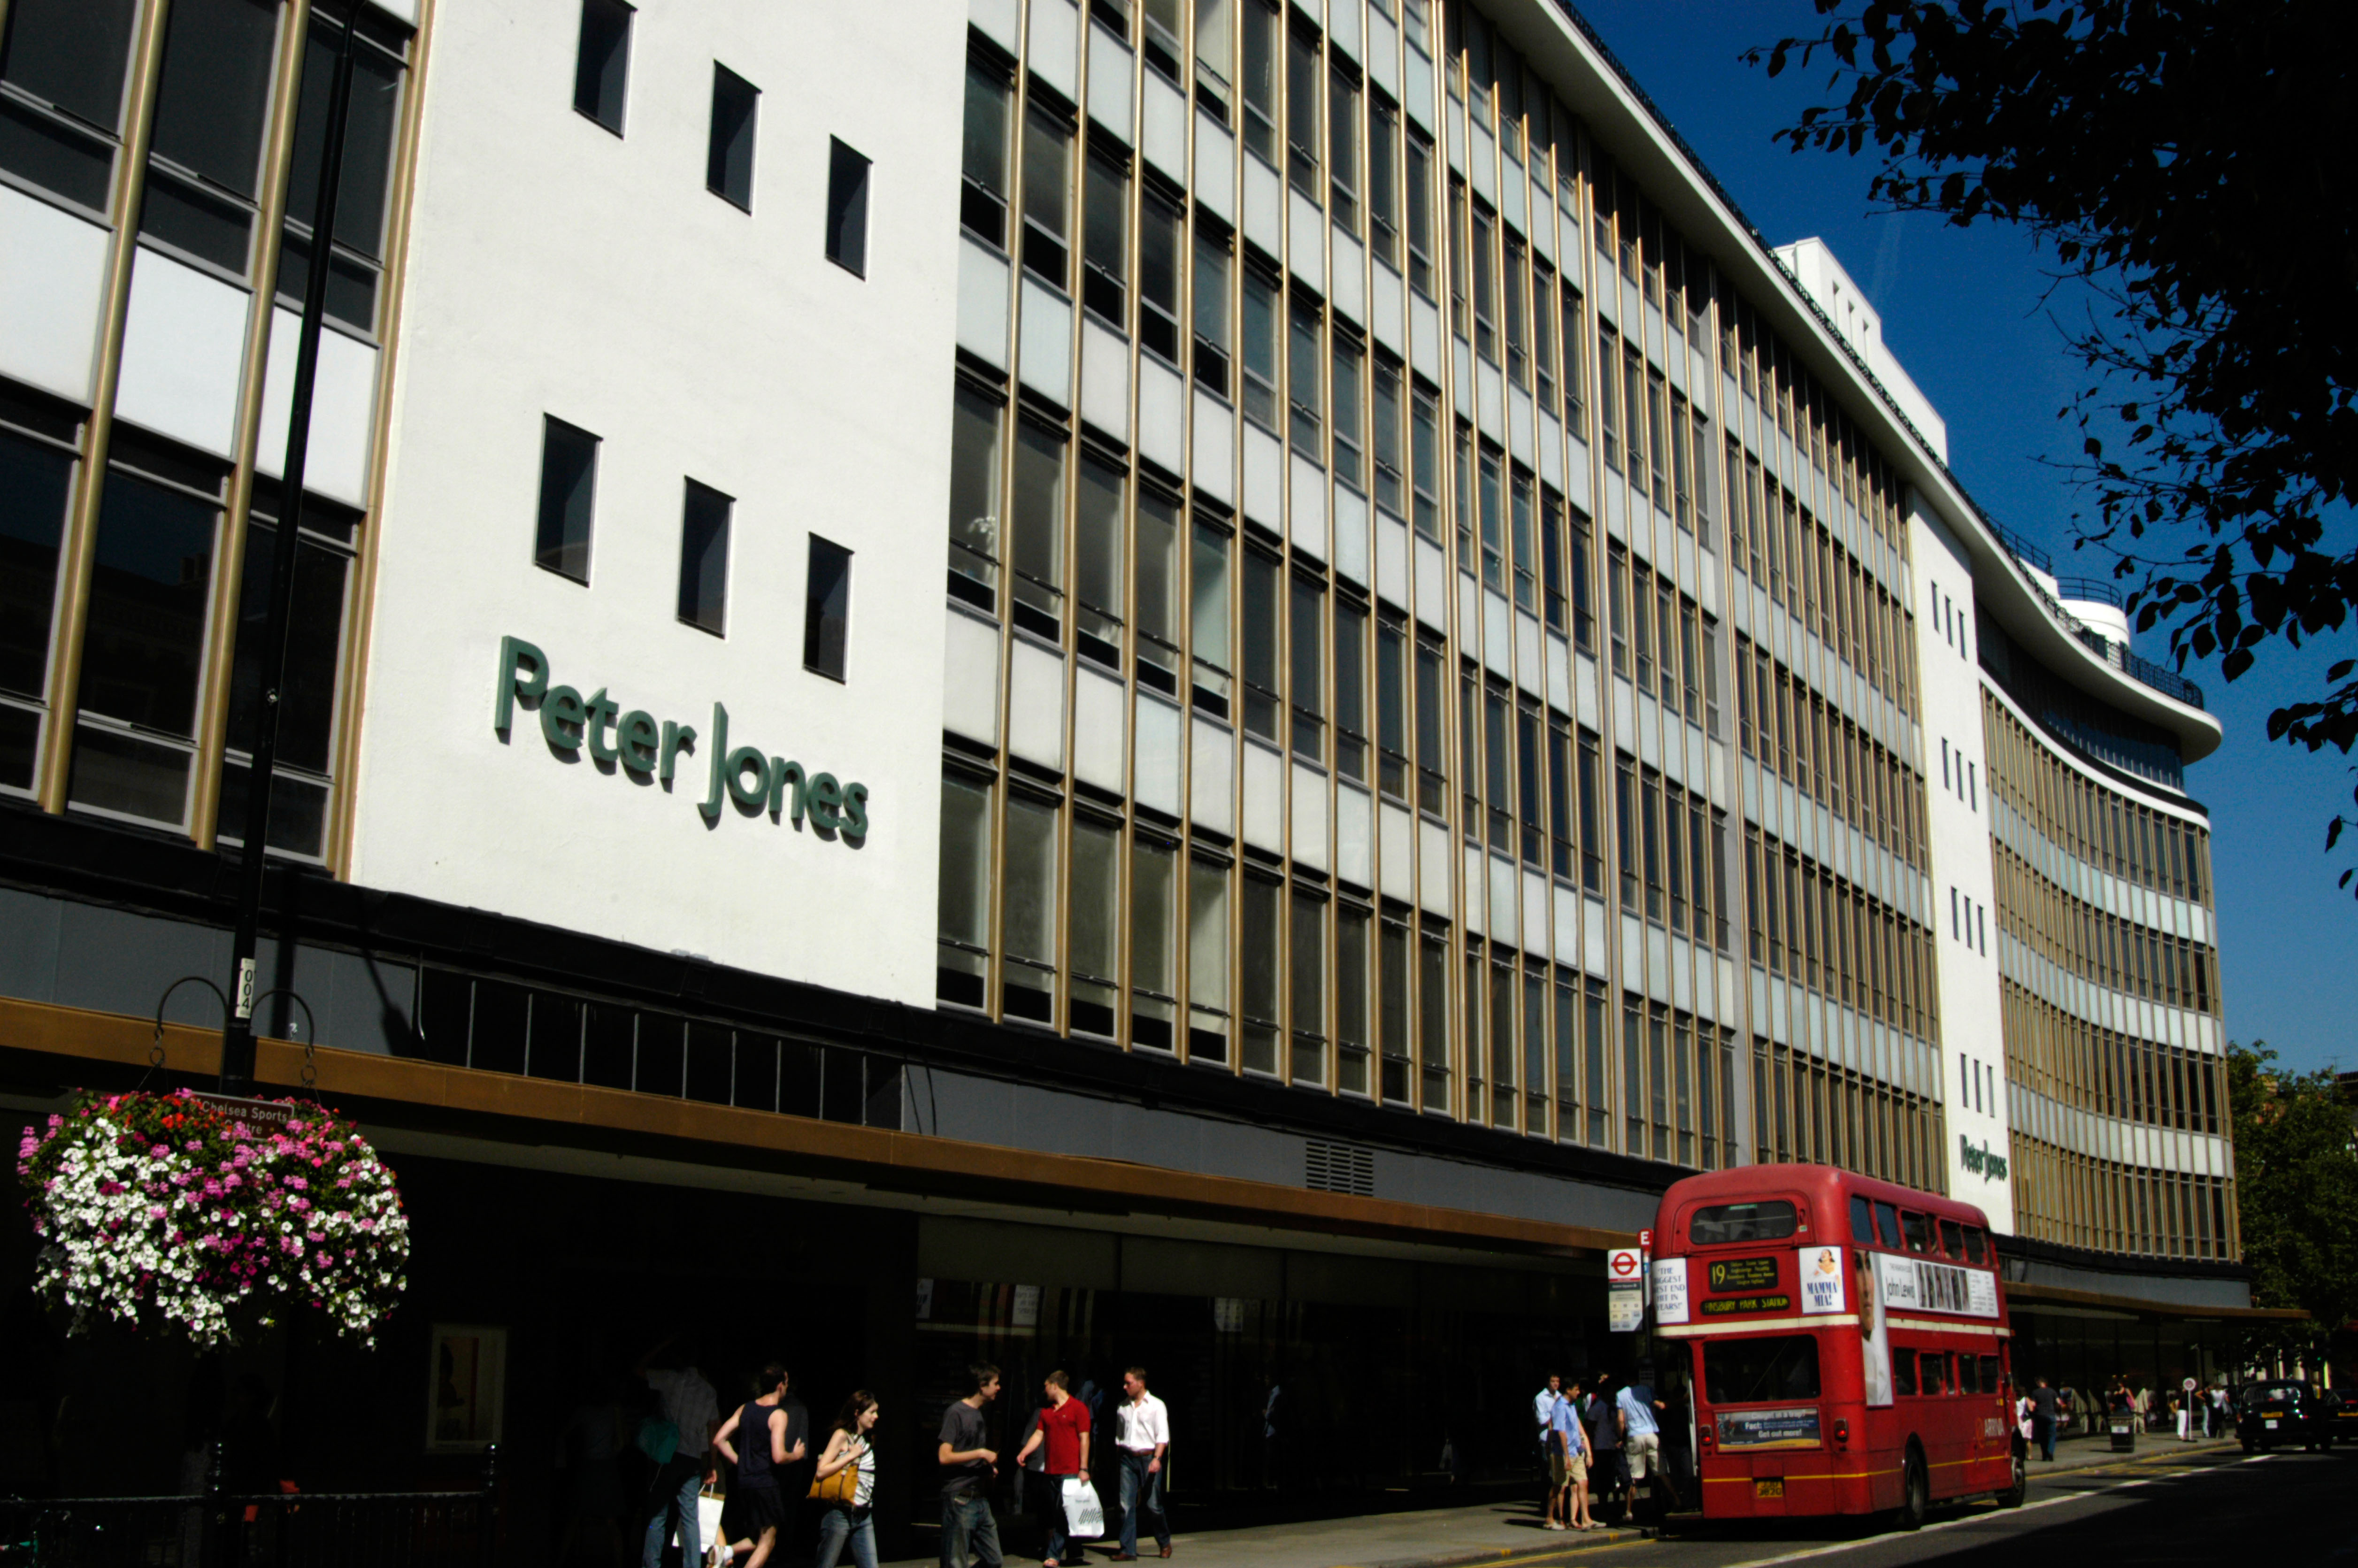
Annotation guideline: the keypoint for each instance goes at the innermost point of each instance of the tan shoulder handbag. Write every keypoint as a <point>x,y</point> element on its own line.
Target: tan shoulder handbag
<point>842,1487</point>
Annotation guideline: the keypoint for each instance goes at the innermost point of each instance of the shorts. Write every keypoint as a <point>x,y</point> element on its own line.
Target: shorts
<point>1644,1449</point>
<point>1575,1472</point>
<point>1556,1477</point>
<point>760,1507</point>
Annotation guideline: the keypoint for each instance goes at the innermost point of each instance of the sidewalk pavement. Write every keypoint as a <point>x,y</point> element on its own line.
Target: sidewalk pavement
<point>1496,1532</point>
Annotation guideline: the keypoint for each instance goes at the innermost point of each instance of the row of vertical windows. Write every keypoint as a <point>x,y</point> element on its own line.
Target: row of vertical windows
<point>1809,1109</point>
<point>2092,1068</point>
<point>1673,854</point>
<point>2124,956</point>
<point>1810,744</point>
<point>1820,930</point>
<point>2101,827</point>
<point>569,499</point>
<point>2083,1201</point>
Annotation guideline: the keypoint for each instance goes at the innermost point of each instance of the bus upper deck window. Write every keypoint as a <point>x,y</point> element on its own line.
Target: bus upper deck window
<point>1862,1221</point>
<point>1887,1225</point>
<point>1953,1239</point>
<point>1976,1248</point>
<point>1917,1229</point>
<point>1723,1223</point>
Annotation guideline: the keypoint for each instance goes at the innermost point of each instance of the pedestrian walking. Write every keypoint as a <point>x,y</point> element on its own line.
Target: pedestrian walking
<point>1543,1405</point>
<point>1143,1434</point>
<point>1064,1433</point>
<point>844,1520</point>
<point>2043,1402</point>
<point>753,1439</point>
<point>1641,1438</point>
<point>690,1404</point>
<point>1569,1458</point>
<point>967,1469</point>
<point>1606,1470</point>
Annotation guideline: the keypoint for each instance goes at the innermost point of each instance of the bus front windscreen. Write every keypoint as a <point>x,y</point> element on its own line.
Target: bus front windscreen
<point>1755,1371</point>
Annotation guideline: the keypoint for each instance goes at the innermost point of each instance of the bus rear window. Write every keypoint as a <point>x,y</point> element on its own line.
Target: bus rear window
<point>1953,1239</point>
<point>1758,1372</point>
<point>1919,1231</point>
<point>1976,1245</point>
<point>1723,1223</point>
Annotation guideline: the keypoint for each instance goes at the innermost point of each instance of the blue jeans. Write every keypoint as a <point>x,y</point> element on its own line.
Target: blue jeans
<point>967,1524</point>
<point>837,1526</point>
<point>1141,1491</point>
<point>2042,1433</point>
<point>1057,1539</point>
<point>683,1508</point>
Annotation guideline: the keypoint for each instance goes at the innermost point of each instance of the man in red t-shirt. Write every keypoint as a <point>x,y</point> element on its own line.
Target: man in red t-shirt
<point>1064,1427</point>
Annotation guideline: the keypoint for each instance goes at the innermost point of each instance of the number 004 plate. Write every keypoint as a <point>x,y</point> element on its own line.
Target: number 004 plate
<point>1769,1489</point>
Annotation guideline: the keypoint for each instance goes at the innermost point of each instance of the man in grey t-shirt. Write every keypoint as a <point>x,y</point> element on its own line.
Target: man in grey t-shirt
<point>967,1469</point>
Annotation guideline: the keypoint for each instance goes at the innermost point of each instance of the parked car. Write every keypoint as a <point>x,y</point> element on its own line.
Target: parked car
<point>2281,1413</point>
<point>2340,1417</point>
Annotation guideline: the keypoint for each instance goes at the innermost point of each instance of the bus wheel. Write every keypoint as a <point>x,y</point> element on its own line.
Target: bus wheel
<point>1915,1492</point>
<point>2012,1495</point>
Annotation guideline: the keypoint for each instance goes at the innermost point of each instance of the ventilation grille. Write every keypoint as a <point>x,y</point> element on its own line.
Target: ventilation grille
<point>1338,1168</point>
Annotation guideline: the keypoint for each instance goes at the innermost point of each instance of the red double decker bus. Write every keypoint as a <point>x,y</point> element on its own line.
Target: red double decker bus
<point>1850,1347</point>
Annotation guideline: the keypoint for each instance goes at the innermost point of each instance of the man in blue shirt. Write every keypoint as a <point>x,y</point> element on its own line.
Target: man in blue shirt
<point>1568,1461</point>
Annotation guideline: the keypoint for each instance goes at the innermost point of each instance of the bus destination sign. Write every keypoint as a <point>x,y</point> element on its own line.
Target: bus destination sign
<point>1722,1306</point>
<point>1728,1274</point>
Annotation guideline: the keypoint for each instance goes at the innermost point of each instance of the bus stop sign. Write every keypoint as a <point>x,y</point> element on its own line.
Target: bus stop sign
<point>1623,1263</point>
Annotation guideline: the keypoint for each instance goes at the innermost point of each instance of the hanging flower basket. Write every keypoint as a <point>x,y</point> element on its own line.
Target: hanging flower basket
<point>169,1213</point>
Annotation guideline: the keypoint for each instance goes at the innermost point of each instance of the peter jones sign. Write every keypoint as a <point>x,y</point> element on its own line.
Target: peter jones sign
<point>634,741</point>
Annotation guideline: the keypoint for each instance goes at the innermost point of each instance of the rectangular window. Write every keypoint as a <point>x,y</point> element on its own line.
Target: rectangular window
<point>1308,975</point>
<point>568,492</point>
<point>827,608</point>
<point>1529,769</point>
<point>1211,309</point>
<point>1343,151</point>
<point>1210,642</point>
<point>1207,961</point>
<point>1543,357</point>
<point>1486,283</point>
<point>1494,521</point>
<point>1048,198</point>
<point>1260,81</point>
<point>1431,742</point>
<point>1432,1022</point>
<point>1100,609</point>
<point>1392,707</point>
<point>603,67</point>
<point>1105,250</point>
<point>1308,626</point>
<point>975,425</point>
<point>1575,372</point>
<point>204,167</point>
<point>704,558</point>
<point>1093,938</point>
<point>1560,791</point>
<point>1263,605</point>
<point>1259,332</point>
<point>1383,181</point>
<point>357,252</point>
<point>1420,214</point>
<point>1154,942</point>
<point>1305,378</point>
<point>1552,559</point>
<point>35,484</point>
<point>1592,836</point>
<point>64,61</point>
<point>1214,58</point>
<point>962,963</point>
<point>1160,247</point>
<point>1028,915</point>
<point>1387,414</point>
<point>1157,583</point>
<point>729,153</point>
<point>1302,117</point>
<point>982,200</point>
<point>1582,550</point>
<point>1352,975</point>
<point>1350,691</point>
<point>1424,440</point>
<point>1348,409</point>
<point>1515,283</point>
<point>847,208</point>
<point>1526,547</point>
<point>1393,966</point>
<point>1608,395</point>
<point>1261,1001</point>
<point>1036,551</point>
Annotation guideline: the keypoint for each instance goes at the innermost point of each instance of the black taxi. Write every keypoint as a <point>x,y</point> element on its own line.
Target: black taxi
<point>2282,1412</point>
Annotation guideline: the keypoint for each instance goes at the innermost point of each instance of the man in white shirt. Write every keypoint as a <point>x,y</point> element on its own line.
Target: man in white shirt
<point>691,1405</point>
<point>1641,1437</point>
<point>1142,1434</point>
<point>1542,1415</point>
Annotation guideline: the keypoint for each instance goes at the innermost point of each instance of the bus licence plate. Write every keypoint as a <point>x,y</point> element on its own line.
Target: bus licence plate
<point>1773,1488</point>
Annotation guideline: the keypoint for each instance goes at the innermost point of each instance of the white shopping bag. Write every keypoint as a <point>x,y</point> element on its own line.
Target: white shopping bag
<point>1084,1515</point>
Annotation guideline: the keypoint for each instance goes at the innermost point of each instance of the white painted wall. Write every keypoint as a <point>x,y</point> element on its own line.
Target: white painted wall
<point>1822,277</point>
<point>1972,1023</point>
<point>555,269</point>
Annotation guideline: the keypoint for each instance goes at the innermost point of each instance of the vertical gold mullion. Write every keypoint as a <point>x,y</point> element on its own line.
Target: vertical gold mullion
<point>77,550</point>
<point>228,558</point>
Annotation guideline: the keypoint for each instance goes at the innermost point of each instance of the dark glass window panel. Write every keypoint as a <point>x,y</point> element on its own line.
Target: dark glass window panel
<point>315,628</point>
<point>602,69</point>
<point>145,640</point>
<point>710,1061</point>
<point>568,487</point>
<point>496,1042</point>
<point>847,208</point>
<point>556,1038</point>
<point>54,156</point>
<point>983,205</point>
<point>352,285</point>
<point>704,558</point>
<point>72,53</point>
<point>216,89</point>
<point>799,1072</point>
<point>609,1046</point>
<point>298,810</point>
<point>35,484</point>
<point>845,1087</point>
<point>1025,993</point>
<point>370,119</point>
<point>20,739</point>
<point>827,608</point>
<point>446,1005</point>
<point>114,772</point>
<point>663,1054</point>
<point>729,152</point>
<point>757,1073</point>
<point>883,1094</point>
<point>182,213</point>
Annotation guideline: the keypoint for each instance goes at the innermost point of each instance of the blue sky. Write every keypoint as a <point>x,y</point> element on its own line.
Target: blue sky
<point>1964,311</point>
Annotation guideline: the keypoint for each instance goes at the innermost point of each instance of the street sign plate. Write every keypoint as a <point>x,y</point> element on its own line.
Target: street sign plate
<point>1624,1263</point>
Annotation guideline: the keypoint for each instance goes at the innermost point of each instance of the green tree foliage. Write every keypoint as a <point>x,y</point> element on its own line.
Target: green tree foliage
<point>2188,161</point>
<point>2297,1189</point>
